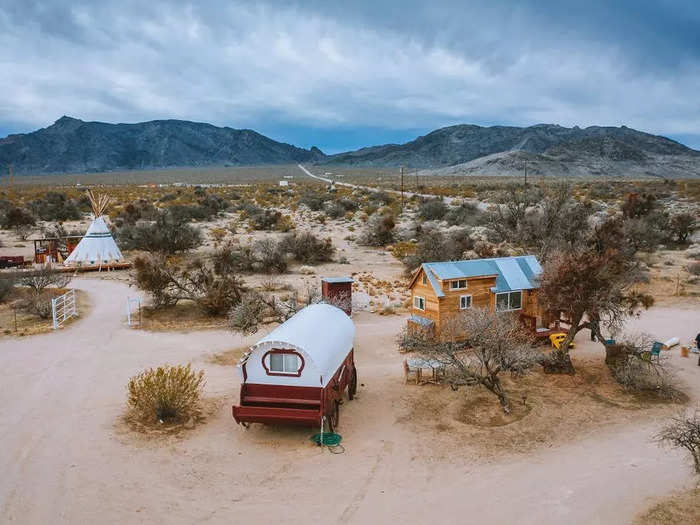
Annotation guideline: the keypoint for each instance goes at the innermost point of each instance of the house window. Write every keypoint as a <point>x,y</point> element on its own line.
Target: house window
<point>509,301</point>
<point>465,302</point>
<point>284,363</point>
<point>419,302</point>
<point>425,278</point>
<point>461,284</point>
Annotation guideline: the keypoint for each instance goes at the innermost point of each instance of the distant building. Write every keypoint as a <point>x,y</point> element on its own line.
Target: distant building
<point>284,183</point>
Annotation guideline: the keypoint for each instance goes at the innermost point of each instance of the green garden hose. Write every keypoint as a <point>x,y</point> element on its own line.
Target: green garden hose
<point>329,439</point>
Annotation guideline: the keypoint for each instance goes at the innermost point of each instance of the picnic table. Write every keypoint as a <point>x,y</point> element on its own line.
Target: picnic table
<point>418,364</point>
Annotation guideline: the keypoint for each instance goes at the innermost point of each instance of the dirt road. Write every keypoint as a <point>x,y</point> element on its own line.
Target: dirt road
<point>66,459</point>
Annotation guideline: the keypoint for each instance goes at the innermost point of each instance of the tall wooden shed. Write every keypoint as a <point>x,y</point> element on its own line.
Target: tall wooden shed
<point>338,291</point>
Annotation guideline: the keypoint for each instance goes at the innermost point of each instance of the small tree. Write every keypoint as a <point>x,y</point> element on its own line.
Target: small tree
<point>683,431</point>
<point>682,225</point>
<point>592,289</point>
<point>495,343</point>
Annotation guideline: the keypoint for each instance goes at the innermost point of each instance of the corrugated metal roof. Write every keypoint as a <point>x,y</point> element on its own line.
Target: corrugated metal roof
<point>512,273</point>
<point>338,279</point>
<point>423,321</point>
<point>433,282</point>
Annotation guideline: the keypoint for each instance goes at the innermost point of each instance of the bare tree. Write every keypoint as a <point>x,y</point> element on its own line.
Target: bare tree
<point>495,343</point>
<point>44,277</point>
<point>683,431</point>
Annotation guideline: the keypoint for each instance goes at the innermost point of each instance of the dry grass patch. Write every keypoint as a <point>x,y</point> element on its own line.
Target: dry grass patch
<point>185,316</point>
<point>679,509</point>
<point>546,410</point>
<point>228,357</point>
<point>29,324</point>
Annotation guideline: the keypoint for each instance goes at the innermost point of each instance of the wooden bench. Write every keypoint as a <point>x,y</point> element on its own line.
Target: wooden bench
<point>281,401</point>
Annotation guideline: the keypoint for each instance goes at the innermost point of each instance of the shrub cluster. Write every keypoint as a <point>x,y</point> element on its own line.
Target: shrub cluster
<point>168,234</point>
<point>211,289</point>
<point>379,230</point>
<point>165,394</point>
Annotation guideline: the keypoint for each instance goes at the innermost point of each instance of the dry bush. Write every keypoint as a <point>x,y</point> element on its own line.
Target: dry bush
<point>169,234</point>
<point>7,285</point>
<point>434,209</point>
<point>306,248</point>
<point>167,393</point>
<point>211,287</point>
<point>379,230</point>
<point>683,431</point>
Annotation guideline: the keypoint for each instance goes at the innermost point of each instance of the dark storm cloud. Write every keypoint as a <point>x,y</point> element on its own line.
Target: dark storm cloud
<point>353,73</point>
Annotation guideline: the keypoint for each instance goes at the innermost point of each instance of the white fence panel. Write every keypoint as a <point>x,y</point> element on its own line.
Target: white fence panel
<point>63,307</point>
<point>133,311</point>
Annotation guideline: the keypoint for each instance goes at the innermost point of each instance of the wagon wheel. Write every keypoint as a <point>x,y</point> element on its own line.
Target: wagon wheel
<point>352,389</point>
<point>334,417</point>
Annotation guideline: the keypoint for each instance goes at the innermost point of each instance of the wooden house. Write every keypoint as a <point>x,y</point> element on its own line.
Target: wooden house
<point>441,290</point>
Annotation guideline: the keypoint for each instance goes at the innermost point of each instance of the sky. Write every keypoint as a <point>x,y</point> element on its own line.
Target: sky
<point>343,75</point>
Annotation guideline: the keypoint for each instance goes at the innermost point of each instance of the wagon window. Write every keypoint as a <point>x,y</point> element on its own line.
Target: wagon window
<point>284,363</point>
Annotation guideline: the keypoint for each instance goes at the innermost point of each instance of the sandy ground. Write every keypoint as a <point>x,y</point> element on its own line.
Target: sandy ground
<point>67,458</point>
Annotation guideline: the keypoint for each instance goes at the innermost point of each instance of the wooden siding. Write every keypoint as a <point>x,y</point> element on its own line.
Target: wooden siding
<point>439,310</point>
<point>478,287</point>
<point>432,303</point>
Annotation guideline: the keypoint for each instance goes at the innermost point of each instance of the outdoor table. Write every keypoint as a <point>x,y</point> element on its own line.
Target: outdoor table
<point>419,363</point>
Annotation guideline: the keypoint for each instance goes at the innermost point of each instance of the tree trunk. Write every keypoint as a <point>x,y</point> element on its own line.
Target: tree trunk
<point>496,388</point>
<point>696,459</point>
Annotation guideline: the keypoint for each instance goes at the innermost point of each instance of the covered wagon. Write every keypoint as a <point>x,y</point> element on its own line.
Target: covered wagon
<point>299,372</point>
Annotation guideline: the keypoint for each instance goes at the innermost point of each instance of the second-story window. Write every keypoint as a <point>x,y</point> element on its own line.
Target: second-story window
<point>460,284</point>
<point>419,302</point>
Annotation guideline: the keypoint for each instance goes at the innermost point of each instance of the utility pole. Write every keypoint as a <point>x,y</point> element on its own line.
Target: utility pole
<point>416,170</point>
<point>525,166</point>
<point>401,188</point>
<point>12,183</point>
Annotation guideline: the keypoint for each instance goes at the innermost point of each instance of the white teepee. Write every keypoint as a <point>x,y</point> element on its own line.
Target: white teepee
<point>97,247</point>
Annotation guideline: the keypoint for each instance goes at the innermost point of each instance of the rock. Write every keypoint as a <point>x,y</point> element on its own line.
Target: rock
<point>307,270</point>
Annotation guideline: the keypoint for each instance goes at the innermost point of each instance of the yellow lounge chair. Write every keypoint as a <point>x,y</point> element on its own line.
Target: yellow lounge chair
<point>558,339</point>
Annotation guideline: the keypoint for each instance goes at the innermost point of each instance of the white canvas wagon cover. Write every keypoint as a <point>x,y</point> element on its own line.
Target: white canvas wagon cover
<point>320,332</point>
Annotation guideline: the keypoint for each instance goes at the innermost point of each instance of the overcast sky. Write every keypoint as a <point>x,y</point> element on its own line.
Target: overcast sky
<point>341,75</point>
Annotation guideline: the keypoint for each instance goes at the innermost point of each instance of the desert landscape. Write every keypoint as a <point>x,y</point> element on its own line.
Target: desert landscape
<point>365,262</point>
<point>73,455</point>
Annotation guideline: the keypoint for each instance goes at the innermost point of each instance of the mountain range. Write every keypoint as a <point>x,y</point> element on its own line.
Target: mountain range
<point>72,145</point>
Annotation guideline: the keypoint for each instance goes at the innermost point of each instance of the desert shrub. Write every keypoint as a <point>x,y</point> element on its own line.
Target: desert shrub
<point>433,246</point>
<point>7,284</point>
<point>136,211</point>
<point>270,256</point>
<point>306,248</point>
<point>314,201</point>
<point>55,206</point>
<point>636,205</point>
<point>433,209</point>
<point>642,234</point>
<point>169,234</point>
<point>335,210</point>
<point>694,267</point>
<point>463,215</point>
<point>167,393</point>
<point>17,218</point>
<point>381,197</point>
<point>379,230</point>
<point>199,281</point>
<point>285,224</point>
<point>682,225</point>
<point>348,204</point>
<point>264,219</point>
